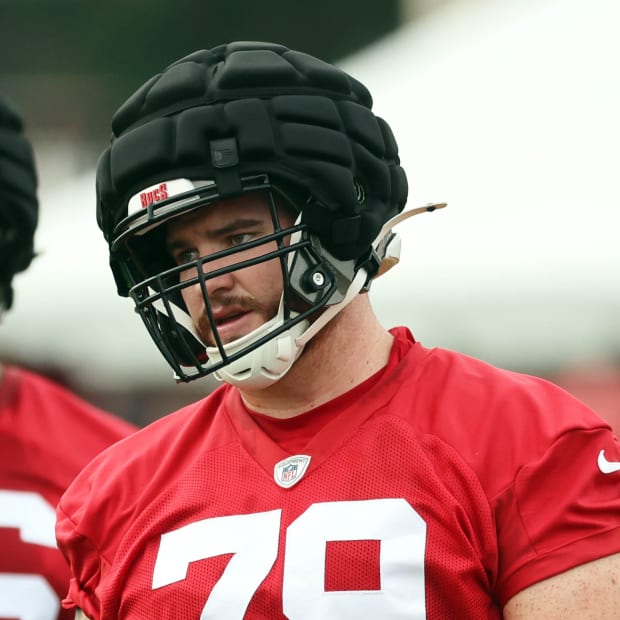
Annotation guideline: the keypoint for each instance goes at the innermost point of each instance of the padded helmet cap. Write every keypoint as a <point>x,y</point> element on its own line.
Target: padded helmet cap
<point>19,206</point>
<point>251,108</point>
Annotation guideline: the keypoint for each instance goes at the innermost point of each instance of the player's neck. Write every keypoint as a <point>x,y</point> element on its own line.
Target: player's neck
<point>346,352</point>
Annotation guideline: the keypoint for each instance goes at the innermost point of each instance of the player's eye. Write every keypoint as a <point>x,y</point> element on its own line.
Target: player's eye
<point>185,256</point>
<point>241,238</point>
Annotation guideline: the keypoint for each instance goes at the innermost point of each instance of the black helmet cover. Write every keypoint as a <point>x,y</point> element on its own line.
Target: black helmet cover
<point>19,206</point>
<point>254,108</point>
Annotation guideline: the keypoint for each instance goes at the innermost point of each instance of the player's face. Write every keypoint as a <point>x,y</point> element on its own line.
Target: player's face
<point>243,299</point>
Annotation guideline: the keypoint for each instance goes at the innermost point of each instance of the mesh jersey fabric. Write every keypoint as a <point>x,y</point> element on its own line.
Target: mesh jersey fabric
<point>47,435</point>
<point>438,493</point>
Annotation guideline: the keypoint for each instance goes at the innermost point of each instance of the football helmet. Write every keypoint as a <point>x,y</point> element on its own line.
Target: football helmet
<point>19,206</point>
<point>236,119</point>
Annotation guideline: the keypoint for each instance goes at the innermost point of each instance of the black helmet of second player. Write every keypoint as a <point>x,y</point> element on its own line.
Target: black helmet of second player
<point>19,206</point>
<point>243,117</point>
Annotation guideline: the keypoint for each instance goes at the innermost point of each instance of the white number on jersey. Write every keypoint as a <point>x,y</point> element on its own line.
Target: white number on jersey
<point>28,597</point>
<point>253,539</point>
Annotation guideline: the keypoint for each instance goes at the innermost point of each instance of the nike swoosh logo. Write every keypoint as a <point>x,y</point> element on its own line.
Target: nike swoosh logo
<point>607,467</point>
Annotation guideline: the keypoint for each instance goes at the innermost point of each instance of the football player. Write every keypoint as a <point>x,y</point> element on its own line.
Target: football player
<point>47,434</point>
<point>341,470</point>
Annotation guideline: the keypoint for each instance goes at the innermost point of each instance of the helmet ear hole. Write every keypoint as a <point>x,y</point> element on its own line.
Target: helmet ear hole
<point>360,192</point>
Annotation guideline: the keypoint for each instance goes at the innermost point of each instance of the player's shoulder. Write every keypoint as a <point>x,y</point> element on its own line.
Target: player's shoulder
<point>48,396</point>
<point>459,397</point>
<point>490,420</point>
<point>40,411</point>
<point>167,438</point>
<point>126,477</point>
<point>459,380</point>
<point>476,407</point>
<point>478,385</point>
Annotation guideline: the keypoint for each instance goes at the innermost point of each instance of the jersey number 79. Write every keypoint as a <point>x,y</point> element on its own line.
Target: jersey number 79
<point>254,538</point>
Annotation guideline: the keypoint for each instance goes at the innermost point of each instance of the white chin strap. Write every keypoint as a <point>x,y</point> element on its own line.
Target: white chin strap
<point>264,365</point>
<point>268,363</point>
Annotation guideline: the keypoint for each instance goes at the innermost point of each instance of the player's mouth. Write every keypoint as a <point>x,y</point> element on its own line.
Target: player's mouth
<point>233,323</point>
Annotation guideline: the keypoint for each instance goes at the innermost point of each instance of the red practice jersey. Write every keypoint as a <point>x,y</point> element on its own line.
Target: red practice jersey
<point>437,489</point>
<point>47,435</point>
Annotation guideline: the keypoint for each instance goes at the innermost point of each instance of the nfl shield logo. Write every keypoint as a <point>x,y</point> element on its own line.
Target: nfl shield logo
<point>288,472</point>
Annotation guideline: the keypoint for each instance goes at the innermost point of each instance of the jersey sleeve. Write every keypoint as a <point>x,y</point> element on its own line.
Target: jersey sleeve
<point>89,522</point>
<point>562,510</point>
<point>535,452</point>
<point>84,563</point>
<point>96,512</point>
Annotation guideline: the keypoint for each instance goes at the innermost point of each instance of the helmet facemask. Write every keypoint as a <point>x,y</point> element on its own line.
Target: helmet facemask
<point>312,280</point>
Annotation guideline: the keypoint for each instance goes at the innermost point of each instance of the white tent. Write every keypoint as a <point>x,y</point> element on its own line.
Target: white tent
<point>506,110</point>
<point>509,112</point>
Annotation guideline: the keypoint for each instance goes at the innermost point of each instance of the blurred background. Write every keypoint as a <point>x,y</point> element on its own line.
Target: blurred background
<point>505,109</point>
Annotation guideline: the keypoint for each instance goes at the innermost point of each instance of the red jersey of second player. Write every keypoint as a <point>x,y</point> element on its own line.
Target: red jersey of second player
<point>437,489</point>
<point>47,435</point>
